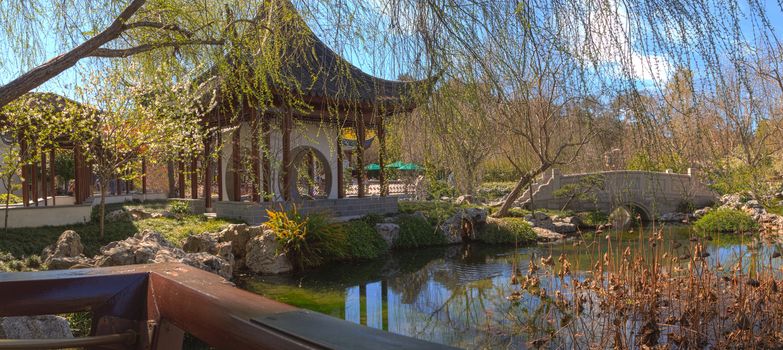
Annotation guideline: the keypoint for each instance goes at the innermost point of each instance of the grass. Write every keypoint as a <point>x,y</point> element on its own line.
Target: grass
<point>507,231</point>
<point>23,242</point>
<point>726,220</point>
<point>363,240</point>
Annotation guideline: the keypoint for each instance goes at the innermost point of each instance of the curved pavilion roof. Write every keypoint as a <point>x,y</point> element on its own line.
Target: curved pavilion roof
<point>322,77</point>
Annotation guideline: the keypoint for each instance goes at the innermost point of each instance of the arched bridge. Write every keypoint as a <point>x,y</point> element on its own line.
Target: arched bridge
<point>650,193</point>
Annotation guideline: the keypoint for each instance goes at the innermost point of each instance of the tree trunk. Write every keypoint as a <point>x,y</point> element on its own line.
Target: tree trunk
<point>170,174</point>
<point>50,69</point>
<point>103,207</point>
<point>523,182</point>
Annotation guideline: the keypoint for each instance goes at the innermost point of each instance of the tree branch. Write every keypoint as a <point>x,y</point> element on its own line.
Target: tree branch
<point>158,25</point>
<point>122,53</point>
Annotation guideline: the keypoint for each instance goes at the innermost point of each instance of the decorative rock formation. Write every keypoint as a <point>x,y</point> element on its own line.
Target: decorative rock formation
<point>544,235</point>
<point>34,327</point>
<point>263,256</point>
<point>150,247</point>
<point>117,215</point>
<point>66,252</point>
<point>389,231</point>
<point>462,225</point>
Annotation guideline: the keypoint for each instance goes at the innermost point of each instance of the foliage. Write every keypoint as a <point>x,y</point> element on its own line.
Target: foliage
<point>14,199</point>
<point>686,206</point>
<point>495,190</point>
<point>591,219</point>
<point>179,208</point>
<point>436,189</point>
<point>730,178</point>
<point>363,240</point>
<point>500,172</point>
<point>726,220</point>
<point>328,240</point>
<point>507,230</point>
<point>435,211</point>
<point>416,231</point>
<point>290,231</point>
<point>80,323</point>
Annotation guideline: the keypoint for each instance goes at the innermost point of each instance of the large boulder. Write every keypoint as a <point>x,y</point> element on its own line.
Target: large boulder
<point>544,235</point>
<point>464,199</point>
<point>66,253</point>
<point>117,215</point>
<point>139,214</point>
<point>35,327</point>
<point>462,225</point>
<point>673,217</point>
<point>698,213</point>
<point>389,231</point>
<point>263,256</point>
<point>563,227</point>
<point>151,247</point>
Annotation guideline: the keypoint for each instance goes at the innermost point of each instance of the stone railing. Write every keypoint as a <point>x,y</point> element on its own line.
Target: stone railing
<point>374,188</point>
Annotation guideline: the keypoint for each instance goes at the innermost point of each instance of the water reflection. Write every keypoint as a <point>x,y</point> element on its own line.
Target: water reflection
<point>458,295</point>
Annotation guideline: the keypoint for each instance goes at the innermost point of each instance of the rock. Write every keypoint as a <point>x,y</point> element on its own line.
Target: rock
<point>389,231</point>
<point>65,263</point>
<point>263,257</point>
<point>66,252</point>
<point>544,235</point>
<point>733,201</point>
<point>239,235</point>
<point>540,216</point>
<point>139,214</point>
<point>673,217</point>
<point>211,263</point>
<point>701,212</point>
<point>461,226</point>
<point>69,244</point>
<point>752,204</point>
<point>34,327</point>
<point>464,199</point>
<point>563,227</point>
<point>420,214</point>
<point>151,247</point>
<point>575,220</point>
<point>205,242</point>
<point>117,215</point>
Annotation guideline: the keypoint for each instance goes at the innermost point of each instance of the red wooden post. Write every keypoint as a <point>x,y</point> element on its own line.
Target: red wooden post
<point>340,175</point>
<point>77,176</point>
<point>236,164</point>
<point>25,178</point>
<point>382,156</point>
<point>144,175</point>
<point>34,178</point>
<point>255,156</point>
<point>267,163</point>
<point>44,179</point>
<point>53,175</point>
<point>286,169</point>
<point>220,165</point>
<point>181,178</point>
<point>194,177</point>
<point>360,154</point>
<point>208,172</point>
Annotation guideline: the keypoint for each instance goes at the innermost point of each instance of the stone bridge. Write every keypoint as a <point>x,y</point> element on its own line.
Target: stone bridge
<point>649,193</point>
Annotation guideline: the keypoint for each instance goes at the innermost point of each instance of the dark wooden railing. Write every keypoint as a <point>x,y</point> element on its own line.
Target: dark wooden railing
<point>152,306</point>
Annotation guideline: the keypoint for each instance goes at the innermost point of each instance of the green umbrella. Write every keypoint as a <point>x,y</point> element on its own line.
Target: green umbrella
<point>409,167</point>
<point>372,167</point>
<point>395,165</point>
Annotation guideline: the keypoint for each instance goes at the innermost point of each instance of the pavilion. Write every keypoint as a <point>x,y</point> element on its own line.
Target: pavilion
<point>283,154</point>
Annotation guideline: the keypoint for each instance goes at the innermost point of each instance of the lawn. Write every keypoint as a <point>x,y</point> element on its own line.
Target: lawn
<point>31,241</point>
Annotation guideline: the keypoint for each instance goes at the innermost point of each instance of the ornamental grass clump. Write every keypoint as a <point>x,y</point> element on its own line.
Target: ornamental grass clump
<point>726,220</point>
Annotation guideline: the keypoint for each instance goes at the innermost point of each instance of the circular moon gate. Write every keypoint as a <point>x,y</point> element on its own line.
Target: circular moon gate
<point>310,175</point>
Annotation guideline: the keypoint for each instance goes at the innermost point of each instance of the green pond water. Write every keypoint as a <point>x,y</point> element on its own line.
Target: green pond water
<point>456,295</point>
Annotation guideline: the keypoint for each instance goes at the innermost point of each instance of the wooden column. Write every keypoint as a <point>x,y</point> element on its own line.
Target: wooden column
<point>34,181</point>
<point>236,163</point>
<point>381,131</point>
<point>286,168</point>
<point>44,179</point>
<point>255,156</point>
<point>53,175</point>
<point>360,154</point>
<point>310,172</point>
<point>340,175</point>
<point>208,172</point>
<point>181,179</point>
<point>220,164</point>
<point>194,177</point>
<point>77,175</point>
<point>25,179</point>
<point>144,175</point>
<point>265,158</point>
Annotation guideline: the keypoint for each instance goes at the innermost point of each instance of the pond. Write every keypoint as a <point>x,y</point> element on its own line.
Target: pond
<point>458,295</point>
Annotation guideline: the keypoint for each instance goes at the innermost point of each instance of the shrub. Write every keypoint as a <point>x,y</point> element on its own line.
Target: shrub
<point>326,239</point>
<point>290,232</point>
<point>14,199</point>
<point>686,206</point>
<point>592,218</point>
<point>363,241</point>
<point>415,231</point>
<point>179,208</point>
<point>726,220</point>
<point>435,211</point>
<point>507,230</point>
<point>33,262</point>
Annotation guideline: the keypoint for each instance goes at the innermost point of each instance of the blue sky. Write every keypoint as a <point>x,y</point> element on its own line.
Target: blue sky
<point>650,68</point>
